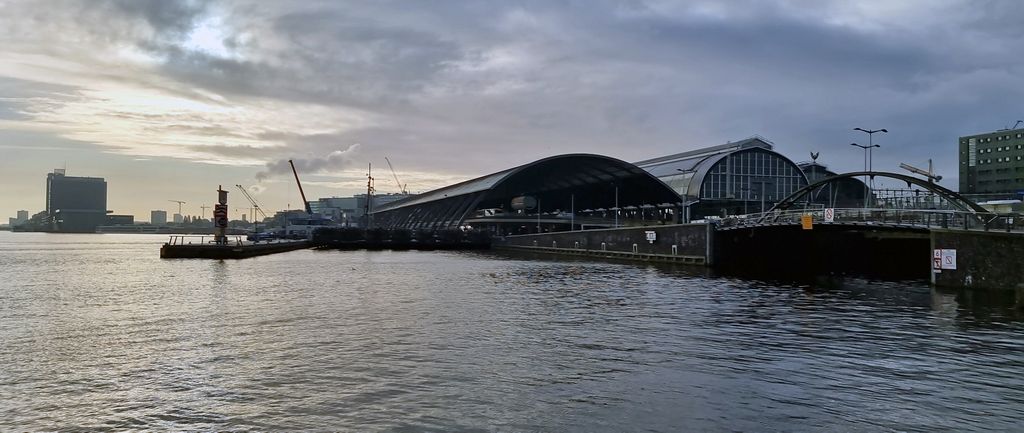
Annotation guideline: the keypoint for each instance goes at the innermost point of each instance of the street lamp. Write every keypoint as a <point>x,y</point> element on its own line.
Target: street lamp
<point>867,149</point>
<point>763,183</point>
<point>871,142</point>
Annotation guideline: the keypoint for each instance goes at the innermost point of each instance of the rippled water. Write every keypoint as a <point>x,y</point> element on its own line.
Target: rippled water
<point>98,333</point>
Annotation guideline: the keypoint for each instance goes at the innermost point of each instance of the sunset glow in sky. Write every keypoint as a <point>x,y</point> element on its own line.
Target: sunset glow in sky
<point>167,100</point>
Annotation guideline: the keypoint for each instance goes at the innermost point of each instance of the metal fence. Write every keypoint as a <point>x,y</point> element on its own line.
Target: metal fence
<point>917,218</point>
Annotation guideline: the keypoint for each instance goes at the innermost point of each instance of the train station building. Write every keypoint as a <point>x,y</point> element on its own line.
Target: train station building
<point>580,191</point>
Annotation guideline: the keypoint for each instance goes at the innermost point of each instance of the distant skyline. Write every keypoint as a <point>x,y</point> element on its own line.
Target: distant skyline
<point>166,100</point>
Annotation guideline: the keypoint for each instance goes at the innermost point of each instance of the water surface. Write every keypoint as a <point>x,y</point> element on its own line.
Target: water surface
<point>98,333</point>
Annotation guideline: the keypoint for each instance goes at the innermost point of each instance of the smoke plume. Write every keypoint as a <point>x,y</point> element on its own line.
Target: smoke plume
<point>333,161</point>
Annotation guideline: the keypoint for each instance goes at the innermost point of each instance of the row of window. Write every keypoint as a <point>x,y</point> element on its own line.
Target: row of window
<point>1001,181</point>
<point>998,138</point>
<point>999,149</point>
<point>989,161</point>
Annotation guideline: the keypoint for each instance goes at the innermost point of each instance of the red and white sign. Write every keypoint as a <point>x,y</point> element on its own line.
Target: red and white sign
<point>830,214</point>
<point>220,215</point>
<point>944,259</point>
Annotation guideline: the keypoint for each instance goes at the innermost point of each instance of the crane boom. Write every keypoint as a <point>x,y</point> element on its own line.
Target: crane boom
<point>930,174</point>
<point>303,194</point>
<point>179,202</point>
<point>401,188</point>
<point>252,200</point>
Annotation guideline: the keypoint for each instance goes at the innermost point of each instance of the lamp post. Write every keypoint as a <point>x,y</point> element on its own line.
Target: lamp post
<point>871,141</point>
<point>867,149</point>
<point>616,206</point>
<point>763,182</point>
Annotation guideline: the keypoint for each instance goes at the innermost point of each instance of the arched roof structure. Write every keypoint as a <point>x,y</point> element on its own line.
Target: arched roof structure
<point>587,180</point>
<point>688,172</point>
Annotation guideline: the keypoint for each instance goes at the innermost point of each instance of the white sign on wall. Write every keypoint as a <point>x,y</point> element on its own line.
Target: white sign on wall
<point>830,215</point>
<point>651,236</point>
<point>948,259</point>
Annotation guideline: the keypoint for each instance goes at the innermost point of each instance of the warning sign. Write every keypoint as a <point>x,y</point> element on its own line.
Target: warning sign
<point>651,236</point>
<point>948,259</point>
<point>220,215</point>
<point>944,259</point>
<point>830,214</point>
<point>807,221</point>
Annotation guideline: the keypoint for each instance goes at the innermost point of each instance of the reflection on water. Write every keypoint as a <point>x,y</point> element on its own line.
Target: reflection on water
<point>100,334</point>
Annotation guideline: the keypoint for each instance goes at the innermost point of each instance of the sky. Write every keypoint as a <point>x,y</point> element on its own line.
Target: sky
<point>167,100</point>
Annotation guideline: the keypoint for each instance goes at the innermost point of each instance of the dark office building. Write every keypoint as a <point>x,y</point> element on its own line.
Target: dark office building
<point>76,204</point>
<point>992,163</point>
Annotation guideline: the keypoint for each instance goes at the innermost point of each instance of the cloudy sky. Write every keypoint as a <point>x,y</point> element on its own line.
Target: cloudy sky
<point>166,99</point>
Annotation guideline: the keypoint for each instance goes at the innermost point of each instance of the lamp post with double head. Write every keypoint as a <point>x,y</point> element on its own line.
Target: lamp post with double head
<point>867,149</point>
<point>871,141</point>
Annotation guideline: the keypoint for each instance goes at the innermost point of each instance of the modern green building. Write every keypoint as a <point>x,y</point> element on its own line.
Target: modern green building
<point>992,163</point>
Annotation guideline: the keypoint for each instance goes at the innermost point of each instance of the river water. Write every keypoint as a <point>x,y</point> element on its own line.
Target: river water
<point>98,333</point>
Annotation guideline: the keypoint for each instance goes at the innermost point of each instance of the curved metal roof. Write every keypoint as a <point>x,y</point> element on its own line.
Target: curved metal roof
<point>554,172</point>
<point>685,172</point>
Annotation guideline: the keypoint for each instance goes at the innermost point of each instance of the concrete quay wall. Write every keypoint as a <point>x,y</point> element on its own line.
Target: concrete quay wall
<point>990,260</point>
<point>684,243</point>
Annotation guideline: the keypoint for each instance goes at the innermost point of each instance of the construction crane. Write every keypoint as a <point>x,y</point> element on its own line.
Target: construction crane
<point>401,187</point>
<point>204,208</point>
<point>930,173</point>
<point>179,202</point>
<point>303,194</point>
<point>256,207</point>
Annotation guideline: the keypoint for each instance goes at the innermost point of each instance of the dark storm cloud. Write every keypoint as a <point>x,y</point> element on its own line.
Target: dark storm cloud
<point>478,86</point>
<point>176,16</point>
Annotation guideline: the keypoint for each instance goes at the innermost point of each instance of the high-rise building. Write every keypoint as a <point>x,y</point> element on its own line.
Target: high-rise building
<point>158,217</point>
<point>76,204</point>
<point>178,219</point>
<point>22,216</point>
<point>992,163</point>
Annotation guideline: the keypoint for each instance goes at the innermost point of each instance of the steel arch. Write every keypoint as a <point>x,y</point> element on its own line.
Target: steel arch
<point>952,196</point>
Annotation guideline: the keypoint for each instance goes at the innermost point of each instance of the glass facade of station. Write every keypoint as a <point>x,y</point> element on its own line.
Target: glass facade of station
<point>731,179</point>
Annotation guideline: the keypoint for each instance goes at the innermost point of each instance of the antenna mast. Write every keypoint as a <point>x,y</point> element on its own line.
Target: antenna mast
<point>369,193</point>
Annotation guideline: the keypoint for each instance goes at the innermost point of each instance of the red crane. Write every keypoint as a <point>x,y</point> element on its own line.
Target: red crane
<point>304,202</point>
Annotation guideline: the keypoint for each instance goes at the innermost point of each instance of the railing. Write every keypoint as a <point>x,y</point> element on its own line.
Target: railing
<point>203,240</point>
<point>922,218</point>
